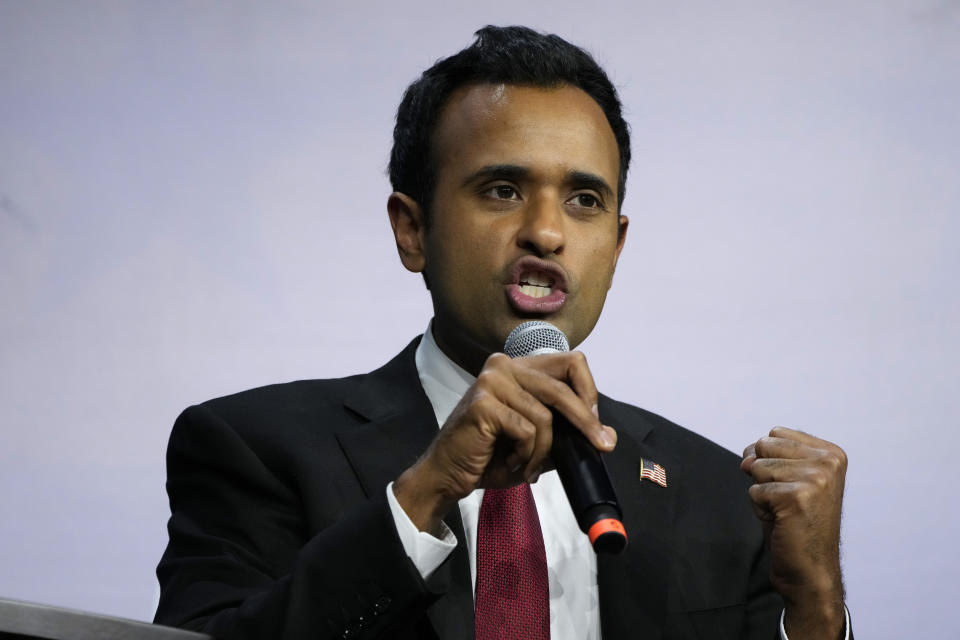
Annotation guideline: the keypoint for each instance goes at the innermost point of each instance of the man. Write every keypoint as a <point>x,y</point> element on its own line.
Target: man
<point>337,508</point>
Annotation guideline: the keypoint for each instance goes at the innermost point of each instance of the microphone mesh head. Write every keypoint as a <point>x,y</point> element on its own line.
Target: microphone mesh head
<point>533,338</point>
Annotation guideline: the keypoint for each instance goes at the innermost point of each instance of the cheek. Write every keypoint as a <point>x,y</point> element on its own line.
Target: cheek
<point>464,260</point>
<point>477,246</point>
<point>598,273</point>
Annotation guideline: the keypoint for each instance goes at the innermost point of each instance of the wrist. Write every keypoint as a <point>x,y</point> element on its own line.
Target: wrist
<point>815,591</point>
<point>822,619</point>
<point>422,498</point>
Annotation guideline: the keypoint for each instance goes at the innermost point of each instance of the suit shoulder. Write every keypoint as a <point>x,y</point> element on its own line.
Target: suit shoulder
<point>671,435</point>
<point>293,413</point>
<point>298,393</point>
<point>305,397</point>
<point>264,413</point>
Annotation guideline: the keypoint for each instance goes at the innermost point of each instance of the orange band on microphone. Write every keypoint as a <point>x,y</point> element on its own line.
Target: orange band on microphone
<point>607,525</point>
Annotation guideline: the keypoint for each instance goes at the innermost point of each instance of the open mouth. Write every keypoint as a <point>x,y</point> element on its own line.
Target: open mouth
<point>535,285</point>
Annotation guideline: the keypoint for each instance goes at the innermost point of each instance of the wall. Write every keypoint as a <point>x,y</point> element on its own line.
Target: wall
<point>192,202</point>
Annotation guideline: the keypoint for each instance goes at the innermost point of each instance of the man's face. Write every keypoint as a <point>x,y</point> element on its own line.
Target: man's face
<point>524,221</point>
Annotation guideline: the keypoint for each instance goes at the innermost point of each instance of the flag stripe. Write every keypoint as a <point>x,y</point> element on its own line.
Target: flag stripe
<point>652,471</point>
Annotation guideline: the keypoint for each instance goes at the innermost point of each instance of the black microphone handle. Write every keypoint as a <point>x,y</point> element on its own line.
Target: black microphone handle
<point>587,485</point>
<point>580,466</point>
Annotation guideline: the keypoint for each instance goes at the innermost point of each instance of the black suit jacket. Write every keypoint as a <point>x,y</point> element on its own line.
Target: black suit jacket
<point>280,527</point>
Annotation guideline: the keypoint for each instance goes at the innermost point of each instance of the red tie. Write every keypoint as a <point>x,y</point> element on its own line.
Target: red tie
<point>513,593</point>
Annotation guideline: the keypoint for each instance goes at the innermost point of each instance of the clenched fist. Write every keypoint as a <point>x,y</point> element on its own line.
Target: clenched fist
<point>798,497</point>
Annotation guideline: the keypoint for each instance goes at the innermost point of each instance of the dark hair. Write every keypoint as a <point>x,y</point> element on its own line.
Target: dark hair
<point>509,55</point>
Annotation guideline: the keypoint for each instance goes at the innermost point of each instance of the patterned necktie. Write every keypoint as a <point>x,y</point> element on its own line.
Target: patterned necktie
<point>513,593</point>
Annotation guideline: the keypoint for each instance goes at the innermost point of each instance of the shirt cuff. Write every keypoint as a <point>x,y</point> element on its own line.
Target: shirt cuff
<point>846,624</point>
<point>426,551</point>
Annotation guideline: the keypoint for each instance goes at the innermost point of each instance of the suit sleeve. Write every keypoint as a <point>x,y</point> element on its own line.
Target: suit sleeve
<point>240,563</point>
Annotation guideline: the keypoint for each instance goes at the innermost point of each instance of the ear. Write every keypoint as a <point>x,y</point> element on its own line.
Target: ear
<point>622,225</point>
<point>409,230</point>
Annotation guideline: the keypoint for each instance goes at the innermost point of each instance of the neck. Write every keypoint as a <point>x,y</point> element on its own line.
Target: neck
<point>465,353</point>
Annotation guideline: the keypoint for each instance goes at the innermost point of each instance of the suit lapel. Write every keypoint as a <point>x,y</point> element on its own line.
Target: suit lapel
<point>401,424</point>
<point>633,586</point>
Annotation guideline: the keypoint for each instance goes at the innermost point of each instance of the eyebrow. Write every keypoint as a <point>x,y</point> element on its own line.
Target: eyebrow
<point>516,173</point>
<point>584,180</point>
<point>513,172</point>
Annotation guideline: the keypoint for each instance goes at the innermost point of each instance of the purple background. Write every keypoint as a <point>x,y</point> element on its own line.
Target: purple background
<point>192,202</point>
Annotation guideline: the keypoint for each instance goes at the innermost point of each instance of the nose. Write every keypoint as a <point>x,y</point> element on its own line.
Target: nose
<point>542,230</point>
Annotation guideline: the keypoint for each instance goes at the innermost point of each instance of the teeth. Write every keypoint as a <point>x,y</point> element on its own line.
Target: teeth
<point>534,291</point>
<point>536,279</point>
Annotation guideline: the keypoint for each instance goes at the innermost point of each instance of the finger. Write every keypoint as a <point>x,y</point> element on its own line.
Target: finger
<point>544,377</point>
<point>783,470</point>
<point>838,456</point>
<point>611,435</point>
<point>800,436</point>
<point>513,426</point>
<point>749,458</point>
<point>523,402</point>
<point>763,514</point>
<point>497,477</point>
<point>571,368</point>
<point>775,447</point>
<point>769,497</point>
<point>539,455</point>
<point>527,405</point>
<point>581,379</point>
<point>540,416</point>
<point>560,396</point>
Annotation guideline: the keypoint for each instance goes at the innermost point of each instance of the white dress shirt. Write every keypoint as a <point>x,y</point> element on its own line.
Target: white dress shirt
<point>571,561</point>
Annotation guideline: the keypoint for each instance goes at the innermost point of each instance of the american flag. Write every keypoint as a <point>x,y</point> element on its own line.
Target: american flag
<point>652,471</point>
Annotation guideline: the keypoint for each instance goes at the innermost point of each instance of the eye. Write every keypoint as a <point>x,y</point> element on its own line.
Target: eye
<point>502,192</point>
<point>587,200</point>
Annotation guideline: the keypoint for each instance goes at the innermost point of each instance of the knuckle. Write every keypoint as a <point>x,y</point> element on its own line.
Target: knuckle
<point>523,427</point>
<point>802,497</point>
<point>841,457</point>
<point>495,360</point>
<point>833,462</point>
<point>486,376</point>
<point>542,416</point>
<point>820,481</point>
<point>482,400</point>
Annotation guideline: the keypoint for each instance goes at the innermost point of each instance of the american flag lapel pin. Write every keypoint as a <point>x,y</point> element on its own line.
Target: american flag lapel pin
<point>652,471</point>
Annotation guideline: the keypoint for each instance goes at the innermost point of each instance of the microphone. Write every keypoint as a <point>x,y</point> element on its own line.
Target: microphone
<point>579,465</point>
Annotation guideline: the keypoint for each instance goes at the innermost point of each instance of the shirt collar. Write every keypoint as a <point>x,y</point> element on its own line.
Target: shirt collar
<point>442,379</point>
